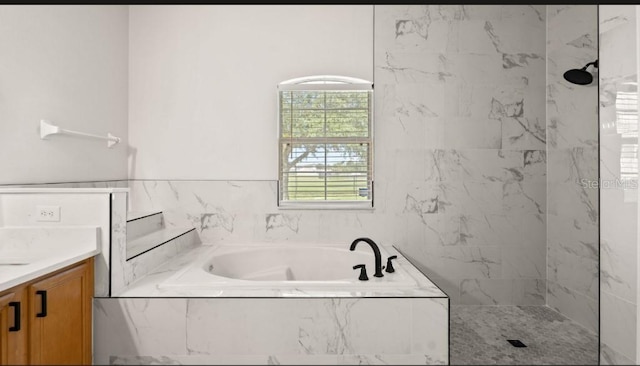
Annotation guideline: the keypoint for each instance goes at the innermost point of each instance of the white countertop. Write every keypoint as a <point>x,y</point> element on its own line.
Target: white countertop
<point>63,190</point>
<point>47,249</point>
<point>14,275</point>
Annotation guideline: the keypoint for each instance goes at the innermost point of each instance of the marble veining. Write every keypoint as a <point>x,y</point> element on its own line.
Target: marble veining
<point>219,220</point>
<point>296,331</point>
<point>572,162</point>
<point>276,221</point>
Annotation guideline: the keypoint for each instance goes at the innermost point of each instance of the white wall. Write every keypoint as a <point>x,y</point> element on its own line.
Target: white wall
<point>203,81</point>
<point>67,64</point>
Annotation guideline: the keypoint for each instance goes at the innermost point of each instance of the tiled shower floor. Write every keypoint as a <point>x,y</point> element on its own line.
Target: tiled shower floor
<point>479,337</point>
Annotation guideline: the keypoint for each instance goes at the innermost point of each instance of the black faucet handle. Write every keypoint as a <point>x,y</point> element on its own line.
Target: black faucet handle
<point>363,272</point>
<point>390,268</point>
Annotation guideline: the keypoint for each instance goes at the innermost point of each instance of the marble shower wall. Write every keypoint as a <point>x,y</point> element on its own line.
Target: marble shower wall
<point>460,162</point>
<point>461,138</point>
<point>618,193</point>
<point>572,166</point>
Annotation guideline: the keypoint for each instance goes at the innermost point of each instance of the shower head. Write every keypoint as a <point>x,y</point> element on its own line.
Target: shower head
<point>580,76</point>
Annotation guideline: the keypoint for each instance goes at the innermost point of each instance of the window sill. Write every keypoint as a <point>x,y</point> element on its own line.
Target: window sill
<point>312,205</point>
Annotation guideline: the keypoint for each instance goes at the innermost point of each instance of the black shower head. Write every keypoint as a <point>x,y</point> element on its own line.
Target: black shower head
<point>580,76</point>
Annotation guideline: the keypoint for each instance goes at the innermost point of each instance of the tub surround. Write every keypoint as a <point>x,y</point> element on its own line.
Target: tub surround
<point>44,250</point>
<point>397,331</point>
<point>239,212</point>
<point>389,320</point>
<point>180,277</point>
<point>125,269</point>
<point>151,241</point>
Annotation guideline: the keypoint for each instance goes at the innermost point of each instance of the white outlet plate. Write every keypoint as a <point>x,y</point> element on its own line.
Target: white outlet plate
<point>48,213</point>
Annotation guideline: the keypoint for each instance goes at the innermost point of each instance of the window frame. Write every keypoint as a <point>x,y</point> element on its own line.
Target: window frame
<point>326,83</point>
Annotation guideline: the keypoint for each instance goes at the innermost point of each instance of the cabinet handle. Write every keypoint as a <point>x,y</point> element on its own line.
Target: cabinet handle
<point>16,316</point>
<point>43,303</point>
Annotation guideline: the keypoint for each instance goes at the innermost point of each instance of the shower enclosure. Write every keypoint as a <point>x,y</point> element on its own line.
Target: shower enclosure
<point>619,261</point>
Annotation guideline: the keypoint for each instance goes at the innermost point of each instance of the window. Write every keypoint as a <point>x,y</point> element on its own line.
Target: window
<point>325,143</point>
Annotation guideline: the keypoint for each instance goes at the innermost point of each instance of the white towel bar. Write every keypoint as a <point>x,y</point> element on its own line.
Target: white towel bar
<point>47,129</point>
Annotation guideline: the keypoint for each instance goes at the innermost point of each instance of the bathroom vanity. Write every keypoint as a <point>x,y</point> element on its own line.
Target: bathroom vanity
<point>46,292</point>
<point>47,320</point>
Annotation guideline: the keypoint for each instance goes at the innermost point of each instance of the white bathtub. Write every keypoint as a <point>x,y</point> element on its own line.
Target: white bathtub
<point>288,266</point>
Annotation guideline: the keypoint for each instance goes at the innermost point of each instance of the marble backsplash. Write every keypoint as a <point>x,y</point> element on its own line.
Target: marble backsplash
<point>454,245</point>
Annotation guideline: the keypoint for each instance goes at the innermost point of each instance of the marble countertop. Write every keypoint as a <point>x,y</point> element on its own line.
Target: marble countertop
<point>44,250</point>
<point>63,190</point>
<point>151,284</point>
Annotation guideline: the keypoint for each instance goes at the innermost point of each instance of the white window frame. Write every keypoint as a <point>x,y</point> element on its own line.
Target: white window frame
<point>327,82</point>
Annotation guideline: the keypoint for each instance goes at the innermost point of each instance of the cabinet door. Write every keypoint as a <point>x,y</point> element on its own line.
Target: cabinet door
<point>4,327</point>
<point>60,317</point>
<point>16,328</point>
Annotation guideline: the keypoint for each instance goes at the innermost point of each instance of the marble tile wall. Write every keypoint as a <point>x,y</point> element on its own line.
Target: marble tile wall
<point>618,193</point>
<point>124,272</point>
<point>117,270</point>
<point>460,90</point>
<point>572,164</point>
<point>460,158</point>
<point>271,331</point>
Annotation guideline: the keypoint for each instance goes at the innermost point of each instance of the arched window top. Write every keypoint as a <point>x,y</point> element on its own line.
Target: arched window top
<point>326,82</point>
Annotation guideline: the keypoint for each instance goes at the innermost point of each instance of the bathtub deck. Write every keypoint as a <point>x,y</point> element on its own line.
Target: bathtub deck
<point>152,284</point>
<point>145,324</point>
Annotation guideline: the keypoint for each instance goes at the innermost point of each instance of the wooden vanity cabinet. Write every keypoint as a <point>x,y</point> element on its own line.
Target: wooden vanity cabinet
<point>5,298</point>
<point>55,319</point>
<point>60,317</point>
<point>13,324</point>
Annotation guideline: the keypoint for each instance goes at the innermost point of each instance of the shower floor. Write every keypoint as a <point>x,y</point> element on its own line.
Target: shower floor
<point>479,336</point>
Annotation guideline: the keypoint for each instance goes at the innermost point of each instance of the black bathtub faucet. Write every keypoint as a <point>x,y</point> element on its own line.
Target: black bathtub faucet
<point>376,253</point>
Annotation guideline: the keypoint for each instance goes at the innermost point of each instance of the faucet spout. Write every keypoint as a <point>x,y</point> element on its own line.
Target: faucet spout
<point>376,253</point>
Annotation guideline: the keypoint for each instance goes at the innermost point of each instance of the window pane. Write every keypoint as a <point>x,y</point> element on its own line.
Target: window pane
<point>302,173</point>
<point>307,99</point>
<point>347,99</point>
<point>347,123</point>
<point>347,158</point>
<point>307,123</point>
<point>347,187</point>
<point>325,172</point>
